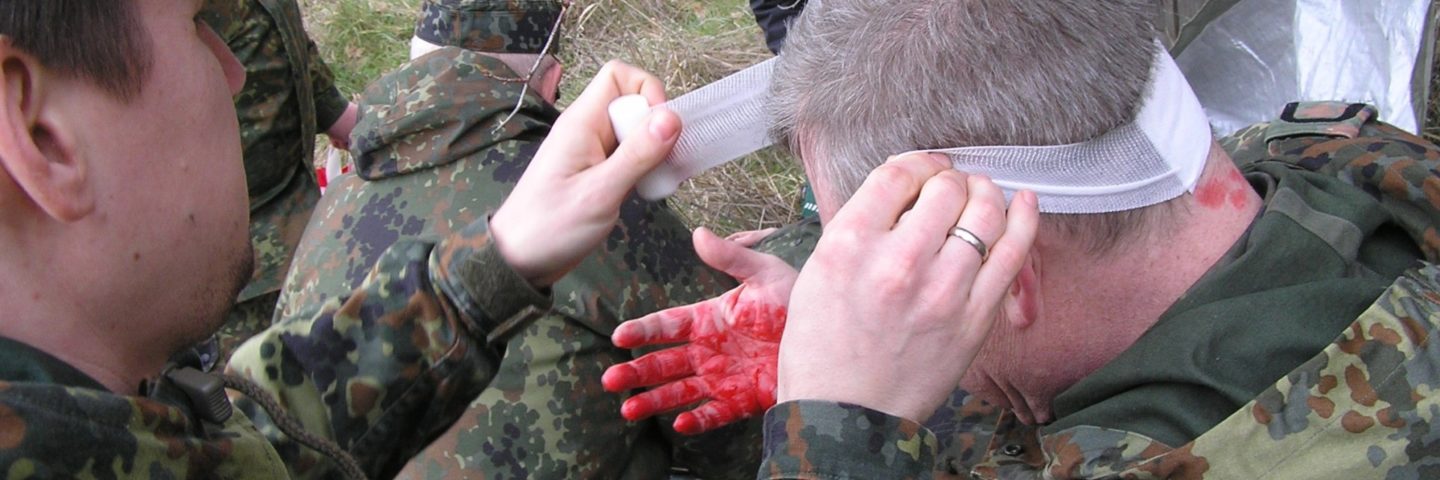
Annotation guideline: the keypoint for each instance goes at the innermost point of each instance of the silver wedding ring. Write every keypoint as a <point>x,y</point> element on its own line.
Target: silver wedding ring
<point>974,241</point>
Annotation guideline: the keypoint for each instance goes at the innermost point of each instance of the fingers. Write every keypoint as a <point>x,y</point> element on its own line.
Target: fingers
<point>615,79</point>
<point>653,369</point>
<point>751,238</point>
<point>707,417</point>
<point>663,399</point>
<point>666,326</point>
<point>640,153</point>
<point>1009,253</point>
<point>983,216</point>
<point>888,192</point>
<point>732,258</point>
<point>938,209</point>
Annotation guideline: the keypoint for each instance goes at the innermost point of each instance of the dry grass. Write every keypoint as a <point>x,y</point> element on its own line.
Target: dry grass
<point>687,43</point>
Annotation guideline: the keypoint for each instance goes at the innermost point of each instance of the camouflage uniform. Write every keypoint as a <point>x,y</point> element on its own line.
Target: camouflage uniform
<point>1197,396</point>
<point>431,156</point>
<point>289,95</point>
<point>380,371</point>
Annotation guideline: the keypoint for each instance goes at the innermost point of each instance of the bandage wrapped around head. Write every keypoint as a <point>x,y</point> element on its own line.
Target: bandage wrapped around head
<point>1155,158</point>
<point>492,26</point>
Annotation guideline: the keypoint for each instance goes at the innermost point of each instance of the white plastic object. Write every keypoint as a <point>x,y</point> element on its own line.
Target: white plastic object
<point>1261,54</point>
<point>721,121</point>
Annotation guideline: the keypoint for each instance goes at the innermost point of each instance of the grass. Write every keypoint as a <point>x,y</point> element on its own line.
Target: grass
<point>687,43</point>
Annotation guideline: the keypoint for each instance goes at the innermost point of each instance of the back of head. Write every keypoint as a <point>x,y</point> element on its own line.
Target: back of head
<point>861,80</point>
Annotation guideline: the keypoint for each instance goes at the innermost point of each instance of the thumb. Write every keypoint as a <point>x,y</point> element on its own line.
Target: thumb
<point>731,257</point>
<point>643,149</point>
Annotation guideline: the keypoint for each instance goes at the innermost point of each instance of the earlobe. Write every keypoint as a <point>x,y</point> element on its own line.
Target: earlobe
<point>34,151</point>
<point>1023,301</point>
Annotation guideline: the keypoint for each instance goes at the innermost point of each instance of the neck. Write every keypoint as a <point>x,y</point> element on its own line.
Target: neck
<point>1124,293</point>
<point>54,313</point>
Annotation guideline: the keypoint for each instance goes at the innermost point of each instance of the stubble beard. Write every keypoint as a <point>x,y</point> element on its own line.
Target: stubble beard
<point>214,303</point>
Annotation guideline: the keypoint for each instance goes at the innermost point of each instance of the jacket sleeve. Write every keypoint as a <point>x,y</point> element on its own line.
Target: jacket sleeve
<point>329,102</point>
<point>823,440</point>
<point>386,369</point>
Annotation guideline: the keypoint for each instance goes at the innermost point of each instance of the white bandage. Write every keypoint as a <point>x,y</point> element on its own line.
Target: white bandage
<point>1157,157</point>
<point>722,121</point>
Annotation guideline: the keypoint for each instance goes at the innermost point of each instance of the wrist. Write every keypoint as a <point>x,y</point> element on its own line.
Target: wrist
<point>512,252</point>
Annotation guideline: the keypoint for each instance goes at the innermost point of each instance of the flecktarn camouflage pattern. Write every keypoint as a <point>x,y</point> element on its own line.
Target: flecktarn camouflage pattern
<point>380,371</point>
<point>1360,408</point>
<point>500,26</point>
<point>433,156</point>
<point>289,96</point>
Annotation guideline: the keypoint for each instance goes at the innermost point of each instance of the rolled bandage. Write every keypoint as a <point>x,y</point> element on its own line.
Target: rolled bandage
<point>722,121</point>
<point>1157,157</point>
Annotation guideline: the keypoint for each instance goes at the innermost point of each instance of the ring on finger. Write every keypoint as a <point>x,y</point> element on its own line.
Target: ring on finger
<point>972,239</point>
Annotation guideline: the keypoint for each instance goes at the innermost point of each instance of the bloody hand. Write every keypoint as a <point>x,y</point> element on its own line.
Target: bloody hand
<point>731,356</point>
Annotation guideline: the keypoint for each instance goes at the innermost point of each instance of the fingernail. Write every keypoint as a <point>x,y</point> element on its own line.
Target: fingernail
<point>664,127</point>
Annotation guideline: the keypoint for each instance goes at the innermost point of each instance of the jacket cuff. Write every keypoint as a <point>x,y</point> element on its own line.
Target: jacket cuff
<point>330,104</point>
<point>816,439</point>
<point>493,299</point>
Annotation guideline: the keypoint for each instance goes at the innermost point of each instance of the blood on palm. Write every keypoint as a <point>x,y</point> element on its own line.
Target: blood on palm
<point>734,363</point>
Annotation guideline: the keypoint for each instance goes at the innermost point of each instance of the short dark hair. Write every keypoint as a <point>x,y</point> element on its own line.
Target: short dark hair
<point>102,41</point>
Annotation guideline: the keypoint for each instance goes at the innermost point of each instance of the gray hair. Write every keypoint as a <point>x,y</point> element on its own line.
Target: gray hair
<point>861,80</point>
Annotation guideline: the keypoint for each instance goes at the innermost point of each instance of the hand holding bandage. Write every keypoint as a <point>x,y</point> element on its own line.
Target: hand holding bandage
<point>569,198</point>
<point>727,350</point>
<point>893,306</point>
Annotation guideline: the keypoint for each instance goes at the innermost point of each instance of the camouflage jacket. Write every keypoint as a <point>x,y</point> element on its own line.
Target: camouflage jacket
<point>289,97</point>
<point>379,371</point>
<point>431,156</point>
<point>1331,288</point>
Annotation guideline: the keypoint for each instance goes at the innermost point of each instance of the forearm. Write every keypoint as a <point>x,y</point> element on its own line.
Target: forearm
<point>388,368</point>
<point>330,104</point>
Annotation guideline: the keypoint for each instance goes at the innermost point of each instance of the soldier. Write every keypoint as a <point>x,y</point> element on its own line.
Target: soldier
<point>115,262</point>
<point>1171,310</point>
<point>436,149</point>
<point>289,93</point>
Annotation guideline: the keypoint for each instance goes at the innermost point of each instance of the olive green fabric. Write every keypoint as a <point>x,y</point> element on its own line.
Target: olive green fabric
<point>1317,256</point>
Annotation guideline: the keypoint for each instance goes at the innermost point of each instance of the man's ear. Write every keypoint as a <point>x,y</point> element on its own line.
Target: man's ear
<point>37,153</point>
<point>1022,303</point>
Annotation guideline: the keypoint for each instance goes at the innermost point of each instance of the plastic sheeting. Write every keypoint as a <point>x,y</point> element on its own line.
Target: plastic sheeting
<point>1258,55</point>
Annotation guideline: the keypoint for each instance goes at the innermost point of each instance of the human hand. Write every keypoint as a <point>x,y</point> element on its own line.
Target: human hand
<point>751,238</point>
<point>733,341</point>
<point>891,310</point>
<point>339,133</point>
<point>569,198</point>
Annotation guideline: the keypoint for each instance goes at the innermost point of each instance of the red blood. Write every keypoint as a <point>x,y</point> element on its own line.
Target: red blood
<point>687,424</point>
<point>618,378</point>
<point>1217,191</point>
<point>1238,199</point>
<point>730,361</point>
<point>1211,193</point>
<point>633,410</point>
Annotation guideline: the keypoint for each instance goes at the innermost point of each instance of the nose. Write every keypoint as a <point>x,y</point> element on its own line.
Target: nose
<point>234,71</point>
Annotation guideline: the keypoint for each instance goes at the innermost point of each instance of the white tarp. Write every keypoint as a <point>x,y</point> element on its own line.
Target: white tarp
<point>1261,54</point>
